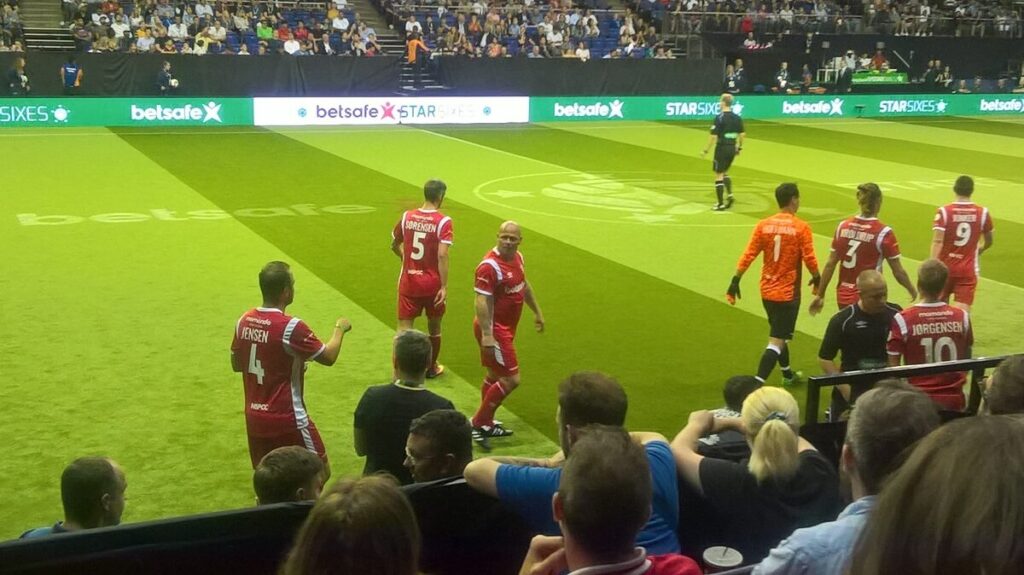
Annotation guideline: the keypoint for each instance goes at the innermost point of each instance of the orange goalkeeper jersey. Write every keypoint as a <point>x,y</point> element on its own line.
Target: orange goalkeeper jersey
<point>786,241</point>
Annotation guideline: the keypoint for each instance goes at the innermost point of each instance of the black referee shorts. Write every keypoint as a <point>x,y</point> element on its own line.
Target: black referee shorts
<point>723,160</point>
<point>782,317</point>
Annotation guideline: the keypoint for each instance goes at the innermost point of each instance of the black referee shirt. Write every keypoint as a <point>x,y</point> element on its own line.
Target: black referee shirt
<point>861,337</point>
<point>728,126</point>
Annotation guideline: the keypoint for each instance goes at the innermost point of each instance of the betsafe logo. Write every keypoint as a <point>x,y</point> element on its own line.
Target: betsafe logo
<point>912,106</point>
<point>397,112</point>
<point>612,109</point>
<point>1016,105</point>
<point>831,108</point>
<point>209,112</point>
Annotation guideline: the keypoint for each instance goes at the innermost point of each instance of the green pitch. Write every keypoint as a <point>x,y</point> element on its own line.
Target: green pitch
<point>129,254</point>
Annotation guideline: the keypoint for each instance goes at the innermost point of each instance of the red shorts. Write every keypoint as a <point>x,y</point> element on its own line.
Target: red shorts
<point>961,288</point>
<point>308,438</point>
<point>500,361</point>
<point>410,307</point>
<point>846,297</point>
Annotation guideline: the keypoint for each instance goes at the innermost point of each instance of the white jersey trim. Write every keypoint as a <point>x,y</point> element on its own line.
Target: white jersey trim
<point>901,324</point>
<point>482,292</point>
<point>318,352</point>
<point>496,267</point>
<point>440,226</point>
<point>286,337</point>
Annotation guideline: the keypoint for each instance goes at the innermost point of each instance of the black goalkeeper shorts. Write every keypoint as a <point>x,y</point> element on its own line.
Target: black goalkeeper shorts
<point>782,317</point>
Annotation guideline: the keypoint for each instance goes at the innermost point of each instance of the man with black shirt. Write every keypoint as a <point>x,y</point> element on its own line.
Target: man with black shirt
<point>727,137</point>
<point>859,332</point>
<point>384,413</point>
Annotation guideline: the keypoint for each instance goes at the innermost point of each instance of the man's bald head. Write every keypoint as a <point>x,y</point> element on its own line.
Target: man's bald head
<point>874,294</point>
<point>870,279</point>
<point>509,236</point>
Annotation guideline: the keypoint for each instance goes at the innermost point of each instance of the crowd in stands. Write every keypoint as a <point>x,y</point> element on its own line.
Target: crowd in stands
<point>555,30</point>
<point>168,27</point>
<point>12,31</point>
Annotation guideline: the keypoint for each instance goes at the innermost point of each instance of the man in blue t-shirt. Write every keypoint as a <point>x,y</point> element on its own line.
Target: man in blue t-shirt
<point>71,76</point>
<point>527,485</point>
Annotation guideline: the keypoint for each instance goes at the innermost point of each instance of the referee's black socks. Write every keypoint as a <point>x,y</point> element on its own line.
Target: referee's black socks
<point>719,191</point>
<point>728,185</point>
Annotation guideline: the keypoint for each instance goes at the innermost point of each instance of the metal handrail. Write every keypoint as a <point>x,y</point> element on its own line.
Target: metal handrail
<point>976,366</point>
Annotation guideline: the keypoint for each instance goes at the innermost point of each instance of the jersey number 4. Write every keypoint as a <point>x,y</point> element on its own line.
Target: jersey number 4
<point>417,245</point>
<point>934,348</point>
<point>255,366</point>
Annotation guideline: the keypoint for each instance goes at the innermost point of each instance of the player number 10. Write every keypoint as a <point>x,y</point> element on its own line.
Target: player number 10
<point>255,366</point>
<point>933,349</point>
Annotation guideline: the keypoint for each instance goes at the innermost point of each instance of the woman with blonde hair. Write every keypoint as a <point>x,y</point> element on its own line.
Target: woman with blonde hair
<point>753,504</point>
<point>357,527</point>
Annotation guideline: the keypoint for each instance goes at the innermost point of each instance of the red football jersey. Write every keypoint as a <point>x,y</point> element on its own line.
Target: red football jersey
<point>421,231</point>
<point>862,244</point>
<point>274,348</point>
<point>930,332</point>
<point>962,224</point>
<point>506,282</point>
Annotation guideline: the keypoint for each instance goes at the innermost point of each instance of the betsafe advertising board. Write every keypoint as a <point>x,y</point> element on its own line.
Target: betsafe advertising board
<point>772,107</point>
<point>384,111</point>
<point>59,112</point>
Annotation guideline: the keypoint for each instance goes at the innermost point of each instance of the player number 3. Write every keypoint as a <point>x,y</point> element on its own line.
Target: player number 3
<point>255,366</point>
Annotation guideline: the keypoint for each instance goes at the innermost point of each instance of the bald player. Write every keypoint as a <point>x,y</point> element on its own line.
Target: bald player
<point>501,289</point>
<point>859,332</point>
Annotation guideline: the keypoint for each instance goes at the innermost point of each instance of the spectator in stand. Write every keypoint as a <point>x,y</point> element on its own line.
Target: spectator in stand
<point>384,413</point>
<point>301,32</point>
<point>291,45</point>
<point>1003,391</point>
<point>412,27</point>
<point>782,79</point>
<point>92,492</point>
<point>879,61</point>
<point>177,31</point>
<point>740,76</point>
<point>844,78</point>
<point>289,473</point>
<point>203,10</point>
<point>416,53</point>
<point>602,503</point>
<point>264,31</point>
<point>120,27</point>
<point>358,526</point>
<point>240,22</point>
<point>71,76</point>
<point>144,39</point>
<point>889,420</point>
<point>527,485</point>
<point>535,52</point>
<point>372,46</point>
<point>806,79</point>
<point>340,23</point>
<point>439,445</point>
<point>202,43</point>
<point>978,87</point>
<point>786,484</point>
<point>167,47</point>
<point>218,34</point>
<point>955,506</point>
<point>583,52</point>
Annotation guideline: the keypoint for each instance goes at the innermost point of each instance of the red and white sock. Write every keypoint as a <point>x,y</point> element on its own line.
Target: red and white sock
<point>492,401</point>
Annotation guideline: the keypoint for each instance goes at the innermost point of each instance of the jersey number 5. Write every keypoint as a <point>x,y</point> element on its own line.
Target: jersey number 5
<point>417,245</point>
<point>255,365</point>
<point>933,349</point>
<point>963,234</point>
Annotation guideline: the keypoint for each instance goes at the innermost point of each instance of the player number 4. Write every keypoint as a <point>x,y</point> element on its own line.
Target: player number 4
<point>963,234</point>
<point>255,366</point>
<point>933,349</point>
<point>417,245</point>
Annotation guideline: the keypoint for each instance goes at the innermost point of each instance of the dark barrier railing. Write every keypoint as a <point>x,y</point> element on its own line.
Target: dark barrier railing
<point>977,368</point>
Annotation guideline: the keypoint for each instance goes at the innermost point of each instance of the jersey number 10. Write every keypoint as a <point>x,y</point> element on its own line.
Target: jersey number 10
<point>933,349</point>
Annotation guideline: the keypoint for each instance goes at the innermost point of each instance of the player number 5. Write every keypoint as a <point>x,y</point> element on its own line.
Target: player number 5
<point>933,349</point>
<point>417,245</point>
<point>255,366</point>
<point>963,234</point>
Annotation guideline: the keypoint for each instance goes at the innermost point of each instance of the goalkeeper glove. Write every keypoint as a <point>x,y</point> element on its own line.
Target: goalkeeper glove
<point>733,293</point>
<point>815,282</point>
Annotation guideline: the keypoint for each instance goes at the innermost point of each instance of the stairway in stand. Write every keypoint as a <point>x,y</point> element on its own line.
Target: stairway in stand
<point>43,30</point>
<point>393,44</point>
<point>428,81</point>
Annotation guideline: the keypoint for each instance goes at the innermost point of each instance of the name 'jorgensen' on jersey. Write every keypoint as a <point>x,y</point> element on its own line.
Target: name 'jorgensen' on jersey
<point>937,328</point>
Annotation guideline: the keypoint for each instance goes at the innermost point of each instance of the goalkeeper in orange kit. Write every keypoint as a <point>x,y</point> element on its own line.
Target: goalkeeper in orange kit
<point>786,241</point>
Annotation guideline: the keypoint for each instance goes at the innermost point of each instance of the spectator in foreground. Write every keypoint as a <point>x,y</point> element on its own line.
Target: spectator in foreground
<point>362,526</point>
<point>527,485</point>
<point>385,412</point>
<point>730,443</point>
<point>602,502</point>
<point>955,506</point>
<point>786,483</point>
<point>440,445</point>
<point>289,473</point>
<point>1003,391</point>
<point>92,492</point>
<point>889,420</point>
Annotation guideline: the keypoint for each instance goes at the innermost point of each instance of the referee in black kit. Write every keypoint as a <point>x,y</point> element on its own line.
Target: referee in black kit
<point>727,137</point>
<point>859,332</point>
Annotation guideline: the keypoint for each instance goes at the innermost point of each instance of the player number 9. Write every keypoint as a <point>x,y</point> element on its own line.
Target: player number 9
<point>963,234</point>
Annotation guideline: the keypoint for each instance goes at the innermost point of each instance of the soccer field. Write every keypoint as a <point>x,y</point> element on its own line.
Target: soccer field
<point>131,253</point>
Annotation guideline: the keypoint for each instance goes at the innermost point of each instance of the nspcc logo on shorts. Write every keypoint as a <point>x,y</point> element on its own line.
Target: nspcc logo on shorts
<point>612,109</point>
<point>1001,105</point>
<point>821,108</point>
<point>209,112</point>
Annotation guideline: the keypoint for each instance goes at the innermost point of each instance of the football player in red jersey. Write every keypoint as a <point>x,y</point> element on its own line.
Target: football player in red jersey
<point>270,350</point>
<point>957,232</point>
<point>421,239</point>
<point>861,243</point>
<point>933,331</point>
<point>501,289</point>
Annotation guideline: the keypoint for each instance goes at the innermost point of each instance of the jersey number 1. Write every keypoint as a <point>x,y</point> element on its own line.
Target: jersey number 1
<point>255,365</point>
<point>417,245</point>
<point>778,246</point>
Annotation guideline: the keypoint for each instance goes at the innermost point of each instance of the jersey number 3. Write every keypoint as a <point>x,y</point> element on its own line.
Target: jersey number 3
<point>850,261</point>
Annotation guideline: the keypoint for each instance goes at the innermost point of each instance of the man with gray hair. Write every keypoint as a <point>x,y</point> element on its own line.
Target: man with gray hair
<point>886,423</point>
<point>385,412</point>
